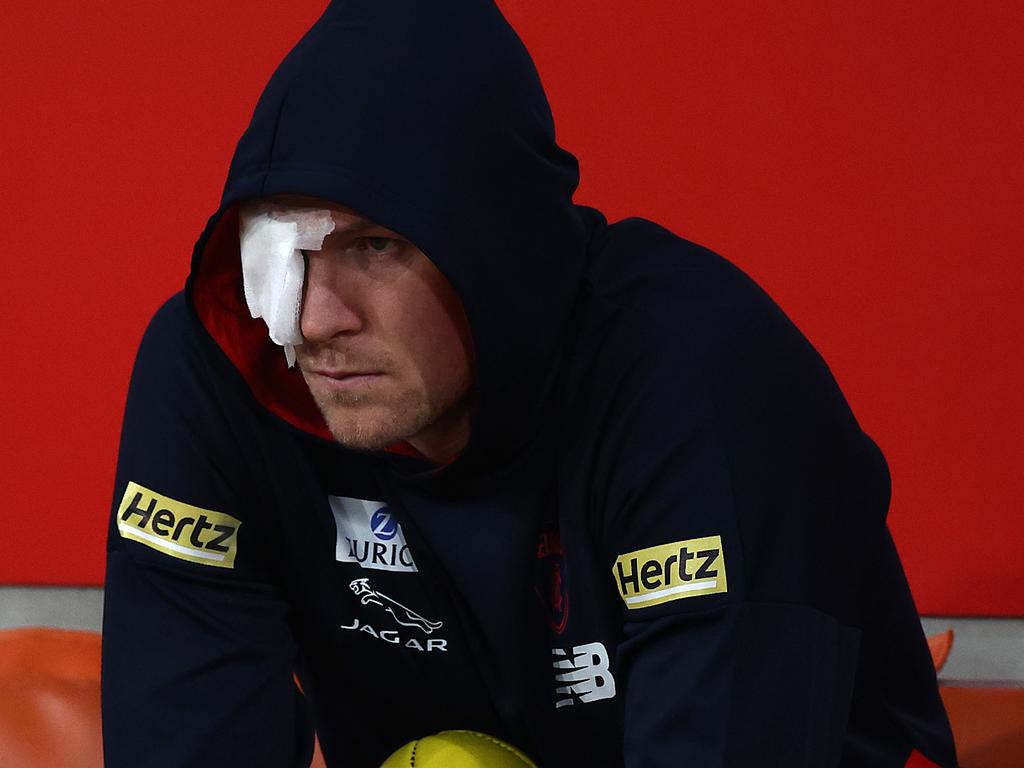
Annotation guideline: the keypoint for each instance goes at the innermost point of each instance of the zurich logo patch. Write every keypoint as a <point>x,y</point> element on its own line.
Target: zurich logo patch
<point>383,524</point>
<point>370,536</point>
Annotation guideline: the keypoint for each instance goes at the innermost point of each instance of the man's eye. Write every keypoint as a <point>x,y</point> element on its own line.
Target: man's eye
<point>379,252</point>
<point>380,244</point>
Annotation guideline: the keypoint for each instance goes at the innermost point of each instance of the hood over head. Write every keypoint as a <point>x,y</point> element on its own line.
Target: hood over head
<point>429,119</point>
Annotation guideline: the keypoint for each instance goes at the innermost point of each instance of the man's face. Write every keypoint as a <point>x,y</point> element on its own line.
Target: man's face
<point>387,355</point>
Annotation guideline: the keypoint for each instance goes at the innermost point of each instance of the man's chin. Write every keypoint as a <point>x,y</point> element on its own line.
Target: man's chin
<point>365,443</point>
<point>368,428</point>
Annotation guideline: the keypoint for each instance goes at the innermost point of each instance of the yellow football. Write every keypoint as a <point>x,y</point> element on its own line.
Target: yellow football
<point>458,749</point>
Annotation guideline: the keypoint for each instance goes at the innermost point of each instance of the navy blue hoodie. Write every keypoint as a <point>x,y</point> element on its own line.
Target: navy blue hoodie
<point>664,544</point>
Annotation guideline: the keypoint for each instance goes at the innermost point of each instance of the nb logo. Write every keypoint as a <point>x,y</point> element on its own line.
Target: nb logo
<point>583,676</point>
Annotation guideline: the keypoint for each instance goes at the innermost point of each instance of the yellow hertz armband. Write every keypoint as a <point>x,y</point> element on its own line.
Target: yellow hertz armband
<point>671,572</point>
<point>178,529</point>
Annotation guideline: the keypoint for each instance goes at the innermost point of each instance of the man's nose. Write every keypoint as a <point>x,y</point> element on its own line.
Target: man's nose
<point>329,303</point>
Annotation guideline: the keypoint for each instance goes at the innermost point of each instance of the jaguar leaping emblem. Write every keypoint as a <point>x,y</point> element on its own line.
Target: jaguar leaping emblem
<point>404,616</point>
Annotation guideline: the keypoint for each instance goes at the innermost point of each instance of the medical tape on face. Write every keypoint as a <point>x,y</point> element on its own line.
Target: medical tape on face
<point>272,238</point>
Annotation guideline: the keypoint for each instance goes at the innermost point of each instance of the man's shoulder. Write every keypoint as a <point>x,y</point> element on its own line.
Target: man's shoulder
<point>671,332</point>
<point>177,360</point>
<point>651,290</point>
<point>638,248</point>
<point>175,341</point>
<point>170,331</point>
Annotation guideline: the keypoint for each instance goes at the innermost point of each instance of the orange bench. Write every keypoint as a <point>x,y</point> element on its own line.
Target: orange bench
<point>50,705</point>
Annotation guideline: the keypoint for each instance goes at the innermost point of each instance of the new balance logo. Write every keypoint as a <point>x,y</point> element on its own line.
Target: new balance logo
<point>583,676</point>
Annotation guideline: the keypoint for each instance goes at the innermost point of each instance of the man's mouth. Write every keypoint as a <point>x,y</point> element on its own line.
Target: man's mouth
<point>343,379</point>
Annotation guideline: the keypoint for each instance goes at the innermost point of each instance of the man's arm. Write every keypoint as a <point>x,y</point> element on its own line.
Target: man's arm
<point>197,653</point>
<point>745,536</point>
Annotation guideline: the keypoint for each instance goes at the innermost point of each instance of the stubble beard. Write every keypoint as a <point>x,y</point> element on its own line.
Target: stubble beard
<point>363,422</point>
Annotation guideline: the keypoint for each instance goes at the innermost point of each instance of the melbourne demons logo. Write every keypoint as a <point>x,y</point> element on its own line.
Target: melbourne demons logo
<point>550,579</point>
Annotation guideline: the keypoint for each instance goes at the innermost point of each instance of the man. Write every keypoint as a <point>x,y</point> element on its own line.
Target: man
<point>582,487</point>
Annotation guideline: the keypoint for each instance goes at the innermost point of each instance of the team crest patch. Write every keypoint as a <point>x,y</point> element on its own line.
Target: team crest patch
<point>550,579</point>
<point>178,529</point>
<point>669,572</point>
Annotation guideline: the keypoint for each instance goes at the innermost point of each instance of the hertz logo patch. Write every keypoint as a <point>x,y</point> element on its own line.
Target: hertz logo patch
<point>671,572</point>
<point>178,529</point>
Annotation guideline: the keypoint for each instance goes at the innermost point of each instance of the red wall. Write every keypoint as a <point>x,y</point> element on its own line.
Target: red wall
<point>863,161</point>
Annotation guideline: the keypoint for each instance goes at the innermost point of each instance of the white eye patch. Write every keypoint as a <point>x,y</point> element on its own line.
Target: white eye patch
<point>272,238</point>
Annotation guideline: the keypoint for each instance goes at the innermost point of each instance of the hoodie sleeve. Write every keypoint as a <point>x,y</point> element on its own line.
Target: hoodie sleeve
<point>197,652</point>
<point>745,508</point>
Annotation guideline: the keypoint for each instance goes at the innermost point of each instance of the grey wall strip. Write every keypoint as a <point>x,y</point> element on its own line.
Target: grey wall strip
<point>64,607</point>
<point>984,650</point>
